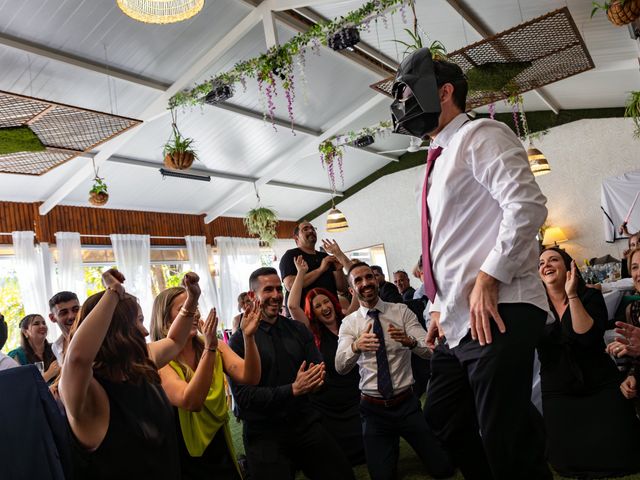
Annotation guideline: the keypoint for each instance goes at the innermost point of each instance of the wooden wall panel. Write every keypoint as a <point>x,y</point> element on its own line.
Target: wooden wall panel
<point>101,221</point>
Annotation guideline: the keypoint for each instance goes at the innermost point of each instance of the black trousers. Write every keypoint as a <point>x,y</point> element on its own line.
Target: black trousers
<point>277,453</point>
<point>382,428</point>
<point>479,400</point>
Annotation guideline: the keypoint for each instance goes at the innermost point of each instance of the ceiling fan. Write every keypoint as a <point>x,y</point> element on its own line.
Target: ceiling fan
<point>415,145</point>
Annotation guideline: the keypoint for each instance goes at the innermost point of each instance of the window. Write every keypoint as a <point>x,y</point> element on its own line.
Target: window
<point>373,255</point>
<point>10,299</point>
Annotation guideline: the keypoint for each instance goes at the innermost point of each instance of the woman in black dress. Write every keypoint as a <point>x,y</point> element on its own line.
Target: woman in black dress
<point>592,431</point>
<point>339,398</point>
<point>122,423</point>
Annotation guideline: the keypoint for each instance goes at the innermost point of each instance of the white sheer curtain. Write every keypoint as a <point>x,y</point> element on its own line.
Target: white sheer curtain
<point>70,273</point>
<point>238,258</point>
<point>33,269</point>
<point>279,247</point>
<point>133,259</point>
<point>199,263</point>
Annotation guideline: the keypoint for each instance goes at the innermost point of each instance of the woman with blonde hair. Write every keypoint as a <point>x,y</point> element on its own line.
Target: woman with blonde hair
<point>121,420</point>
<point>194,383</point>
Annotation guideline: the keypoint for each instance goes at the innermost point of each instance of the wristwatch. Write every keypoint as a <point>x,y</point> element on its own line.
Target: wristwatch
<point>414,343</point>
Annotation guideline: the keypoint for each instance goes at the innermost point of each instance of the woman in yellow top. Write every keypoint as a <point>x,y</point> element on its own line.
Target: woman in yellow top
<point>194,384</point>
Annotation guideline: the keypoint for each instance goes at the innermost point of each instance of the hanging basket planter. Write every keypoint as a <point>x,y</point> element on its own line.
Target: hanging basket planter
<point>179,160</point>
<point>262,222</point>
<point>344,38</point>
<point>218,94</point>
<point>622,13</point>
<point>98,195</point>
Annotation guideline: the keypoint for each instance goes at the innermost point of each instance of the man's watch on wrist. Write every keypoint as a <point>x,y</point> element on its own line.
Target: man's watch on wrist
<point>414,342</point>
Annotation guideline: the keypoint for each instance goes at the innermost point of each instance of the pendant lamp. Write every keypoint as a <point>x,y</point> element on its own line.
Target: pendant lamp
<point>160,11</point>
<point>336,221</point>
<point>537,161</point>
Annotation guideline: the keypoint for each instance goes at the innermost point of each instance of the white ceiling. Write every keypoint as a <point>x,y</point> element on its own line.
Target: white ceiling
<point>229,142</point>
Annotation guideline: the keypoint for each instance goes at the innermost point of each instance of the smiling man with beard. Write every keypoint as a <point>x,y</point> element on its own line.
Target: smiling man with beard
<point>324,270</point>
<point>282,431</point>
<point>63,309</point>
<point>379,337</point>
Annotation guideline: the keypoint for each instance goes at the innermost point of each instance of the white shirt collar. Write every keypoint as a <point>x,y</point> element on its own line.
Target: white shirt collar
<point>444,137</point>
<point>380,306</point>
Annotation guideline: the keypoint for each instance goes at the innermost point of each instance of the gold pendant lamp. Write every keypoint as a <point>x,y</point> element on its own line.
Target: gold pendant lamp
<point>537,161</point>
<point>160,11</point>
<point>336,221</point>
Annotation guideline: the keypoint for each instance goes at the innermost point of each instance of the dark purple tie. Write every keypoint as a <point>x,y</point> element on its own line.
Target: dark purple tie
<point>427,268</point>
<point>385,385</point>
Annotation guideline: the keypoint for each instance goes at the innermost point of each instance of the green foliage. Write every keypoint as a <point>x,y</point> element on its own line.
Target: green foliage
<point>98,186</point>
<point>11,307</point>
<point>262,221</point>
<point>632,110</point>
<point>278,60</point>
<point>178,143</point>
<point>93,279</point>
<point>603,6</point>
<point>19,139</point>
<point>495,76</point>
<point>437,48</point>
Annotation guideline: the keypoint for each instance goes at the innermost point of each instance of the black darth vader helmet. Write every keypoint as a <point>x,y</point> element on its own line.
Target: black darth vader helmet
<point>416,106</point>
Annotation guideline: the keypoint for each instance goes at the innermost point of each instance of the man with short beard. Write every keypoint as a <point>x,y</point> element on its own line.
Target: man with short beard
<point>63,309</point>
<point>379,337</point>
<point>324,271</point>
<point>281,430</point>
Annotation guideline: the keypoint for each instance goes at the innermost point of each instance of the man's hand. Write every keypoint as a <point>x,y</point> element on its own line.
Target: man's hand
<point>483,306</point>
<point>327,262</point>
<point>331,247</point>
<point>434,332</point>
<point>251,318</point>
<point>628,387</point>
<point>309,380</point>
<point>301,265</point>
<point>399,335</point>
<point>367,342</point>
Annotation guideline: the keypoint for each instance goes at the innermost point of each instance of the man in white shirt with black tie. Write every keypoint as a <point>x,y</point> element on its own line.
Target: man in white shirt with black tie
<point>379,337</point>
<point>481,209</point>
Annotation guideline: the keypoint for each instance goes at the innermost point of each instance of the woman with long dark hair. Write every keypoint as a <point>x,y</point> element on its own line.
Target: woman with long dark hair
<point>194,383</point>
<point>34,346</point>
<point>339,398</point>
<point>592,430</point>
<point>121,420</point>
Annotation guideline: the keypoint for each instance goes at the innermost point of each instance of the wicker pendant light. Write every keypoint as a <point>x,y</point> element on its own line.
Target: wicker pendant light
<point>160,11</point>
<point>537,161</point>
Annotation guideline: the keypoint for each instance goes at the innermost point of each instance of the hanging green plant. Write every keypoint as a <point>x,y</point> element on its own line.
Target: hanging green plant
<point>19,139</point>
<point>262,222</point>
<point>178,151</point>
<point>98,194</point>
<point>632,111</point>
<point>495,76</point>
<point>619,12</point>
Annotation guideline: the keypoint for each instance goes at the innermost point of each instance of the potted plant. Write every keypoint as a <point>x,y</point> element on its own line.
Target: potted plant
<point>262,222</point>
<point>98,194</point>
<point>632,110</point>
<point>619,12</point>
<point>178,151</point>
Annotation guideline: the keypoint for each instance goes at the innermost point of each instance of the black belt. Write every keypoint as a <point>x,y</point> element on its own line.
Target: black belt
<point>388,402</point>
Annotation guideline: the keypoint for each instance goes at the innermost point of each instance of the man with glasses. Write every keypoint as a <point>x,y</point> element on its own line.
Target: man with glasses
<point>324,270</point>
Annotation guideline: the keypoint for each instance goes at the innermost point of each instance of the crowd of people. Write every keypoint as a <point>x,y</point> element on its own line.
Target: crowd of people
<point>328,362</point>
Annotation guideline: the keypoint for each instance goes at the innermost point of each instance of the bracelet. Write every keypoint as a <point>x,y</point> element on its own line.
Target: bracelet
<point>186,313</point>
<point>575,296</point>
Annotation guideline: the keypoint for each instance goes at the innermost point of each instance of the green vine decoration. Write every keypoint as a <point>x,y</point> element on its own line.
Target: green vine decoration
<point>632,111</point>
<point>262,222</point>
<point>277,62</point>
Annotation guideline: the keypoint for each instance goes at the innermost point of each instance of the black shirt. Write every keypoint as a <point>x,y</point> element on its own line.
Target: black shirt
<point>573,363</point>
<point>408,294</point>
<point>388,292</point>
<point>283,347</point>
<point>288,267</point>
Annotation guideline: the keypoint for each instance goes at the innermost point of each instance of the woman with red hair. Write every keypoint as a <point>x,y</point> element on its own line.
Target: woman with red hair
<point>339,398</point>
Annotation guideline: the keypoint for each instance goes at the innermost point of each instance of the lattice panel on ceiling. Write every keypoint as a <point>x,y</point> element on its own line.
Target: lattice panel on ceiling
<point>551,43</point>
<point>65,131</point>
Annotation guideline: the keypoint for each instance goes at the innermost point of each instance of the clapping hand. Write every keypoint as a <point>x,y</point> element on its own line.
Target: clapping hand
<point>331,247</point>
<point>630,338</point>
<point>308,380</point>
<point>209,329</point>
<point>628,387</point>
<point>301,264</point>
<point>571,283</point>
<point>367,342</point>
<point>191,285</point>
<point>617,349</point>
<point>112,279</point>
<point>252,317</point>
<point>399,335</point>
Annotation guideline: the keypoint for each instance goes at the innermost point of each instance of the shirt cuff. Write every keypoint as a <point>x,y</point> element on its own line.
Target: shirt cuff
<point>499,267</point>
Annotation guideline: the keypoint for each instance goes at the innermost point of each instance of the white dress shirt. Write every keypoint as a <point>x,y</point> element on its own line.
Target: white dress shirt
<point>7,362</point>
<point>355,324</point>
<point>485,209</point>
<point>58,349</point>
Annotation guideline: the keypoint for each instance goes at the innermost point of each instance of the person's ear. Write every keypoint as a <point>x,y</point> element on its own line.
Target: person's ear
<point>352,291</point>
<point>52,317</point>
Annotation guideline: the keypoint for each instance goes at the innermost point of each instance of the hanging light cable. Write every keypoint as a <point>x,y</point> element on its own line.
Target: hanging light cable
<point>160,11</point>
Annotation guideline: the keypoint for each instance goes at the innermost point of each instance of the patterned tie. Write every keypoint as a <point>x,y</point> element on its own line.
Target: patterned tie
<point>385,385</point>
<point>427,268</point>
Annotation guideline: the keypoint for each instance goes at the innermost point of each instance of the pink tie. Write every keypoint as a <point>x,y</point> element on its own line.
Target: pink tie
<point>427,269</point>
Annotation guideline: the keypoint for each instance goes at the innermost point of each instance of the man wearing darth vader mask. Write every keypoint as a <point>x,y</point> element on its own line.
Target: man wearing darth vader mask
<point>480,210</point>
